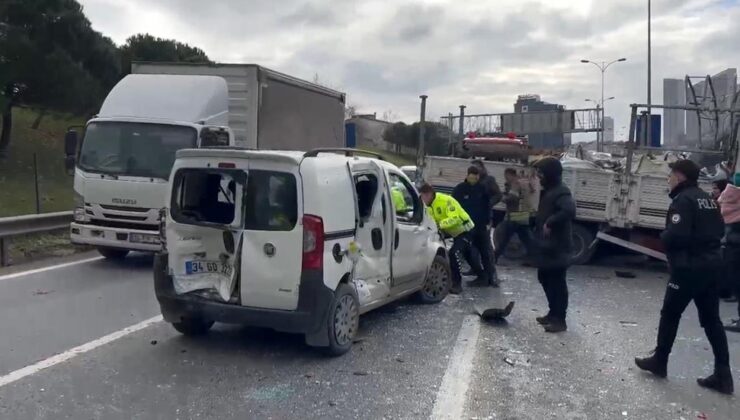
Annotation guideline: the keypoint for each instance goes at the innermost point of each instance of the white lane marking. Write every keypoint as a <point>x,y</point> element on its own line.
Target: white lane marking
<point>450,401</point>
<point>49,268</point>
<point>74,352</point>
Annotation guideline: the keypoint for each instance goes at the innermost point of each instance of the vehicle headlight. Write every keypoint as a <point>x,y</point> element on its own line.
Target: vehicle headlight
<point>79,200</point>
<point>79,214</point>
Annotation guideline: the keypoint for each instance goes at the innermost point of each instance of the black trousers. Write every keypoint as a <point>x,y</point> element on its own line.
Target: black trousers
<point>461,249</point>
<point>480,238</point>
<point>554,283</point>
<point>699,286</point>
<point>509,229</point>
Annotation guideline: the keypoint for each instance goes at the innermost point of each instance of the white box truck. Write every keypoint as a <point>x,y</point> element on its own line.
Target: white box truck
<point>123,161</point>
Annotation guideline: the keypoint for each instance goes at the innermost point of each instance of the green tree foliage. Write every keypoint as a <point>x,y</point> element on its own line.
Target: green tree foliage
<point>51,58</point>
<point>145,47</point>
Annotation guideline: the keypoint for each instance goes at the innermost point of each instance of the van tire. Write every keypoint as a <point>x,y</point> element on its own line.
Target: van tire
<point>113,253</point>
<point>437,283</point>
<point>343,320</point>
<point>582,239</point>
<point>193,327</point>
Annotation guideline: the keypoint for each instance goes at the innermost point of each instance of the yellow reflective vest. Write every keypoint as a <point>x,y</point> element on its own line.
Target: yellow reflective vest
<point>399,201</point>
<point>451,218</point>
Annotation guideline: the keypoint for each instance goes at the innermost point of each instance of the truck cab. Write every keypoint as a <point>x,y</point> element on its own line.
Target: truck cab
<point>122,164</point>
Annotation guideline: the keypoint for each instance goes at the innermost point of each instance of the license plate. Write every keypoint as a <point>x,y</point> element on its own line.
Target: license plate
<point>201,267</point>
<point>144,239</point>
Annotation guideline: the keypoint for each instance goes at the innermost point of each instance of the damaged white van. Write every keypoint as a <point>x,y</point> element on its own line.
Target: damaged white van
<point>293,241</point>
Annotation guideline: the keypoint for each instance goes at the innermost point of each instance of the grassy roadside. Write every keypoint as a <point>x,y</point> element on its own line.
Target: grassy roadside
<point>396,159</point>
<point>17,190</point>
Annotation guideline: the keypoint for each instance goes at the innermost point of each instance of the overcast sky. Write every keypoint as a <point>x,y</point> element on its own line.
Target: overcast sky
<point>481,53</point>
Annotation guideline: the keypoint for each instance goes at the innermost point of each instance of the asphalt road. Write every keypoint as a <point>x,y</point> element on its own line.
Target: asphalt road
<point>411,361</point>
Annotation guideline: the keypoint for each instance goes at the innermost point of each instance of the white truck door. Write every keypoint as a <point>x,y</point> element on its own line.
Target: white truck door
<point>410,239</point>
<point>272,246</point>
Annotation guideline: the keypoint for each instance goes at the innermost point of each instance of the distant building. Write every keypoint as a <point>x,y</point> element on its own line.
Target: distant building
<point>608,130</point>
<point>689,129</point>
<point>674,120</point>
<point>365,130</point>
<point>533,103</point>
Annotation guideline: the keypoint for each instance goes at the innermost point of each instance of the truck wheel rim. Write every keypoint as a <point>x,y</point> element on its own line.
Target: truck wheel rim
<point>436,281</point>
<point>346,320</point>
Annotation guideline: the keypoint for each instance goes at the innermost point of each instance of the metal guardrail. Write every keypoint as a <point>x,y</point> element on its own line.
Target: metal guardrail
<point>30,223</point>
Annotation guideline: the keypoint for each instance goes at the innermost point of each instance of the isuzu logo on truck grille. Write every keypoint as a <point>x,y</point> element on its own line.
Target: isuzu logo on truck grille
<point>124,201</point>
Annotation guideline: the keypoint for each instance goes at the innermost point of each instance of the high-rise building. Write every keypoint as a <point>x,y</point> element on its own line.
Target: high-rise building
<point>674,120</point>
<point>608,130</point>
<point>533,103</point>
<point>693,129</point>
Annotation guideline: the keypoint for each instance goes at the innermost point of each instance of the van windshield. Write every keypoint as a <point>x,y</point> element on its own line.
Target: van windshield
<point>133,149</point>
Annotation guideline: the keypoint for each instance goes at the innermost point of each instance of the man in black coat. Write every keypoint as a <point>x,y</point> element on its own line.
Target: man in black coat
<point>475,199</point>
<point>552,242</point>
<point>692,239</point>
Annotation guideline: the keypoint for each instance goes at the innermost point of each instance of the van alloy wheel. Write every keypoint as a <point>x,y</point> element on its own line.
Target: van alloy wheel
<point>346,320</point>
<point>437,283</point>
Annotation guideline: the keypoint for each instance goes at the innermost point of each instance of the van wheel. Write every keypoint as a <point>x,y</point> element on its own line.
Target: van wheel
<point>112,253</point>
<point>193,326</point>
<point>344,320</point>
<point>582,239</point>
<point>438,282</point>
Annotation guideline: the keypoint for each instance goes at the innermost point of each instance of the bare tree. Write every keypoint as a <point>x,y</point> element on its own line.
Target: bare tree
<point>389,115</point>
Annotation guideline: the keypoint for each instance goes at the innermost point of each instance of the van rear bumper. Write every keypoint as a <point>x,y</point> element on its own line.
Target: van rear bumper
<point>314,301</point>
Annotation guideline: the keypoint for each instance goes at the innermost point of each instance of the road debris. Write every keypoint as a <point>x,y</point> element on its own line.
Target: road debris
<point>153,342</point>
<point>625,274</point>
<point>361,373</point>
<point>41,292</point>
<point>628,323</point>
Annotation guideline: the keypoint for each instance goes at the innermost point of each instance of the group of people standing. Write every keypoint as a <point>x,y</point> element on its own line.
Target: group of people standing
<point>467,216</point>
<point>701,239</point>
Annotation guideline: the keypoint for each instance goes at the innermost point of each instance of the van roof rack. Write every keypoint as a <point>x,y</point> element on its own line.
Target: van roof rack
<point>347,152</point>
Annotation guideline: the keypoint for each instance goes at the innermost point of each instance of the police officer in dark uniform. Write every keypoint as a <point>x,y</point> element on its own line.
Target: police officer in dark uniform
<point>692,236</point>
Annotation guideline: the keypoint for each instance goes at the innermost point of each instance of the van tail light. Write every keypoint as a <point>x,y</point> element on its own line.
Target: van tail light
<point>313,242</point>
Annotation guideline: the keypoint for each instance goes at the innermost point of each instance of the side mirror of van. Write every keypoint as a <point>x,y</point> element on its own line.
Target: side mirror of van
<point>70,150</point>
<point>216,137</point>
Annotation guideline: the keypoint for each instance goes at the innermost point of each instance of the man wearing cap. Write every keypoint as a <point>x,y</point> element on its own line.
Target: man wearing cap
<point>692,239</point>
<point>475,198</point>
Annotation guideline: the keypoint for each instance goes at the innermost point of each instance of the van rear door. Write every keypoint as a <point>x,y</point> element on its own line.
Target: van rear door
<point>272,248</point>
<point>204,233</point>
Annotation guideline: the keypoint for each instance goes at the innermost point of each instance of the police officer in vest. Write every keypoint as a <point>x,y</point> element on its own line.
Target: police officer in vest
<point>452,220</point>
<point>692,236</point>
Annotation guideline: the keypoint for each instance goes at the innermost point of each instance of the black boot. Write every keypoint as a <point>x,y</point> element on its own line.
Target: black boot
<point>544,320</point>
<point>479,281</point>
<point>655,364</point>
<point>720,381</point>
<point>494,281</point>
<point>556,325</point>
<point>733,326</point>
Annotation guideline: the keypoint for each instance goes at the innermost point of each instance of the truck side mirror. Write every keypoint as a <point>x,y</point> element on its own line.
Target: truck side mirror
<point>215,137</point>
<point>70,151</point>
<point>70,143</point>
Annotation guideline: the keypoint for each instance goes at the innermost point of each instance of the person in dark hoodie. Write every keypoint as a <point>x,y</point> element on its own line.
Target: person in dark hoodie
<point>475,199</point>
<point>552,241</point>
<point>692,239</point>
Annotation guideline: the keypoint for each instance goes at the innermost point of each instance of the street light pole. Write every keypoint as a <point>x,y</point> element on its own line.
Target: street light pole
<point>602,66</point>
<point>649,77</point>
<point>422,118</point>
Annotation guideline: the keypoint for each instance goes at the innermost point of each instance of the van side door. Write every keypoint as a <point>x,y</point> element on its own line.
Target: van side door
<point>409,235</point>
